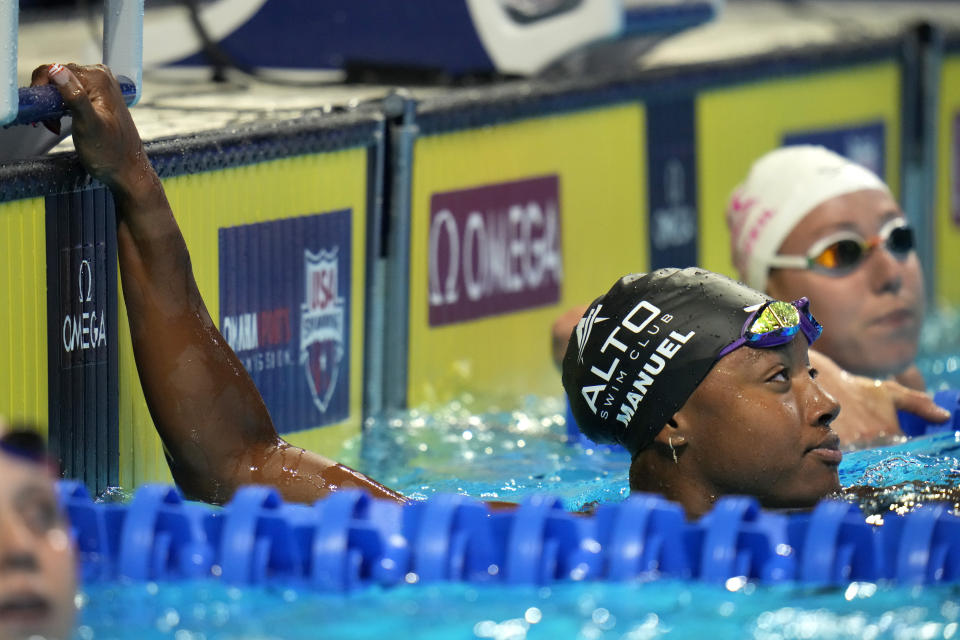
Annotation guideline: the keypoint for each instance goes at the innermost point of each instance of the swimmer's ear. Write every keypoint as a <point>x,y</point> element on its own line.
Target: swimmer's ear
<point>672,439</point>
<point>675,431</point>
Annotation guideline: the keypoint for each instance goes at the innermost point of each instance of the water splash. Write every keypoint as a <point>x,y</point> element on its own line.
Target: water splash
<point>496,455</point>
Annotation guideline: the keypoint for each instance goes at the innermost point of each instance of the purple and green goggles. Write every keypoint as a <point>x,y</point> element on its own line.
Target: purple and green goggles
<point>775,323</point>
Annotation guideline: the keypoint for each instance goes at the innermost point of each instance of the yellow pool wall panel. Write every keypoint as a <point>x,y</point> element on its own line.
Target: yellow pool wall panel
<point>736,125</point>
<point>598,156</point>
<point>946,228</point>
<point>23,313</point>
<point>202,204</point>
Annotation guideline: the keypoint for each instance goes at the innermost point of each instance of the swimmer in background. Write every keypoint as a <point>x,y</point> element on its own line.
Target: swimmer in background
<point>37,560</point>
<point>808,220</point>
<point>754,421</point>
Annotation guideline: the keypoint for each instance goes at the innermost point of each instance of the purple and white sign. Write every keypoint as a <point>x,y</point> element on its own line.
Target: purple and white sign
<point>285,310</point>
<point>494,249</point>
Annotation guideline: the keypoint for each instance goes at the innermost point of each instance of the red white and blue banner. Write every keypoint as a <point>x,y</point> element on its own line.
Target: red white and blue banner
<point>285,311</point>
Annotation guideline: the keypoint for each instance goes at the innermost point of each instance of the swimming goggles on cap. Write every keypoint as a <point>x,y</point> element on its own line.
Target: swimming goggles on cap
<point>841,253</point>
<point>775,323</point>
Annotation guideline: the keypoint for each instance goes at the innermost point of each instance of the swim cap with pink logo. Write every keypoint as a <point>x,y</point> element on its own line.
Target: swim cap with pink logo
<point>782,187</point>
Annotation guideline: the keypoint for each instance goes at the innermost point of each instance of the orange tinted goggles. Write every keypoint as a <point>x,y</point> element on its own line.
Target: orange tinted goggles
<point>842,252</point>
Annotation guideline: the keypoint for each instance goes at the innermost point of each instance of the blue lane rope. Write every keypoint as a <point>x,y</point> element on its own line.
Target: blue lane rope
<point>349,541</point>
<point>949,399</point>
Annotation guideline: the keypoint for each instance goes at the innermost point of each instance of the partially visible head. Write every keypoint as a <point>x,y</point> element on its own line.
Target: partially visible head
<point>707,383</point>
<point>807,221</point>
<point>37,561</point>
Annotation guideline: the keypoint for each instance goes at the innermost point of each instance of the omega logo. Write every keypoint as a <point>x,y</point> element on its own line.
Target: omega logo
<point>86,329</point>
<point>675,224</point>
<point>501,252</point>
<point>494,249</point>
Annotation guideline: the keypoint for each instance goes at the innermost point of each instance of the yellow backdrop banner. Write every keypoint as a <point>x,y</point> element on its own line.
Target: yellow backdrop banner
<point>23,312</point>
<point>512,224</point>
<point>947,208</point>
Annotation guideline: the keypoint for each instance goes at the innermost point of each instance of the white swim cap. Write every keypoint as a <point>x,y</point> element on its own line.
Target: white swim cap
<point>782,187</point>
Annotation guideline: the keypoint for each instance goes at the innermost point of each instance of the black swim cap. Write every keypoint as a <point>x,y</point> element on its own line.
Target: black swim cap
<point>640,350</point>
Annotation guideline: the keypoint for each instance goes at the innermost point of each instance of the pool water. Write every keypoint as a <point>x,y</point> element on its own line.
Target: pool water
<point>939,357</point>
<point>494,456</point>
<point>589,611</point>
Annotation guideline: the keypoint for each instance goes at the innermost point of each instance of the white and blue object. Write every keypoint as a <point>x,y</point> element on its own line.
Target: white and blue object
<point>9,26</point>
<point>122,52</point>
<point>453,37</point>
<point>123,41</point>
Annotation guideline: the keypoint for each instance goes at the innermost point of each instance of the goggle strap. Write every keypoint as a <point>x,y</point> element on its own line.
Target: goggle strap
<point>789,262</point>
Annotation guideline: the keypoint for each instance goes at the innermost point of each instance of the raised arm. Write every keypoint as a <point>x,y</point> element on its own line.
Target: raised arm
<point>213,423</point>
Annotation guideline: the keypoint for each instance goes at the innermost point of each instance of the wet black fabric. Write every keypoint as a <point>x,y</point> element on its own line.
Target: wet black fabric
<point>641,349</point>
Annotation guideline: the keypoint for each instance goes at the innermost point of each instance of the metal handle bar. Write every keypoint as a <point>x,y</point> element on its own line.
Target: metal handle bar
<point>122,52</point>
<point>45,102</point>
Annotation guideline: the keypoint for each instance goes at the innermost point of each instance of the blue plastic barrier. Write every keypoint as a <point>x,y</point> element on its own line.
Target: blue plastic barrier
<point>837,545</point>
<point>741,540</point>
<point>545,543</point>
<point>949,399</point>
<point>162,536</point>
<point>452,539</point>
<point>96,529</point>
<point>349,541</point>
<point>639,538</point>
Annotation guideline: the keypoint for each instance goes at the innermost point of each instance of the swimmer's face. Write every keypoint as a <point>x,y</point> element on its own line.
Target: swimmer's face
<point>872,316</point>
<point>759,426</point>
<point>37,562</point>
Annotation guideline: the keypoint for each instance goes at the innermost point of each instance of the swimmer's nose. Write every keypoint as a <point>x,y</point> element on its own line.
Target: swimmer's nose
<point>886,271</point>
<point>822,407</point>
<point>17,548</point>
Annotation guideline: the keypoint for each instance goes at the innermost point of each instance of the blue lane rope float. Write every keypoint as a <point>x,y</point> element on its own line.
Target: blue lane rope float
<point>639,538</point>
<point>349,541</point>
<point>949,399</point>
<point>835,545</point>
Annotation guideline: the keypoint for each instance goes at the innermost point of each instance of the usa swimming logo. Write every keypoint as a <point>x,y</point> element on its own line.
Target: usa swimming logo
<point>321,326</point>
<point>285,300</point>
